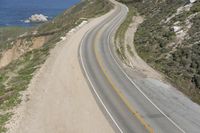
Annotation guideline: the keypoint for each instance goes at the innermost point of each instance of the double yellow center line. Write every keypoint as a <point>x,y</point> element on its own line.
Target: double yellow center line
<point>120,94</point>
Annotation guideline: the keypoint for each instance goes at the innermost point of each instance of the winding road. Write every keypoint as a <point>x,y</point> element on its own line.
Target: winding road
<point>123,102</point>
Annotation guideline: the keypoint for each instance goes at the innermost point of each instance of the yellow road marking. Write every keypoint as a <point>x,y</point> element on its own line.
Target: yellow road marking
<point>120,94</point>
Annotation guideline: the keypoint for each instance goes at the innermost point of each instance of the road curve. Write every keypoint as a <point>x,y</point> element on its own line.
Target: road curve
<point>125,105</point>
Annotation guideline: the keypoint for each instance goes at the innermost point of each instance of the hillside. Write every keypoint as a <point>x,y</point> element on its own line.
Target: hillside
<point>168,40</point>
<point>25,50</point>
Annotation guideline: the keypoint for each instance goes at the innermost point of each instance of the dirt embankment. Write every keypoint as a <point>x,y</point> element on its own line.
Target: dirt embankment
<point>134,61</point>
<point>20,47</point>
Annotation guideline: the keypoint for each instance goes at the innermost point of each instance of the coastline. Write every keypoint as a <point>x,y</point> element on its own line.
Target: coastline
<point>16,12</point>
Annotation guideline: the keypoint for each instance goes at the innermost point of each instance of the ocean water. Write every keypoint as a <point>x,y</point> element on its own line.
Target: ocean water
<point>15,12</point>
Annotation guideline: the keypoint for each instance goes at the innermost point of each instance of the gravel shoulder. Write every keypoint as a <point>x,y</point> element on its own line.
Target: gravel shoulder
<point>58,99</point>
<point>134,60</point>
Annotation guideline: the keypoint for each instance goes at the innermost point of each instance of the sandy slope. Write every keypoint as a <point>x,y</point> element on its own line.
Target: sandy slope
<point>59,99</point>
<point>134,60</point>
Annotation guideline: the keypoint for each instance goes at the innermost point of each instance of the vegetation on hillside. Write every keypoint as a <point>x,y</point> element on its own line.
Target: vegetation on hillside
<point>120,34</point>
<point>169,40</point>
<point>16,76</point>
<point>8,34</point>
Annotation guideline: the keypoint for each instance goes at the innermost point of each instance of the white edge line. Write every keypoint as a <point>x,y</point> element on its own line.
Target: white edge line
<point>87,75</point>
<point>176,125</point>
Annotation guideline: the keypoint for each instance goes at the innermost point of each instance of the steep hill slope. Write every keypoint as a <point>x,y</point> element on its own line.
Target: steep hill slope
<point>168,40</point>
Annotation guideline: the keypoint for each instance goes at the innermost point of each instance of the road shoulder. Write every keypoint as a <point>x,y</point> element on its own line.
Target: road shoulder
<point>58,98</point>
<point>169,99</point>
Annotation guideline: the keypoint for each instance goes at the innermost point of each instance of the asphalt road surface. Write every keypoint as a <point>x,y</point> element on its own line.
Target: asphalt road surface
<point>125,105</point>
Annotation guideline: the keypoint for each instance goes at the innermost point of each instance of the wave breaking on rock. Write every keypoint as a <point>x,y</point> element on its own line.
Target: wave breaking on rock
<point>37,18</point>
